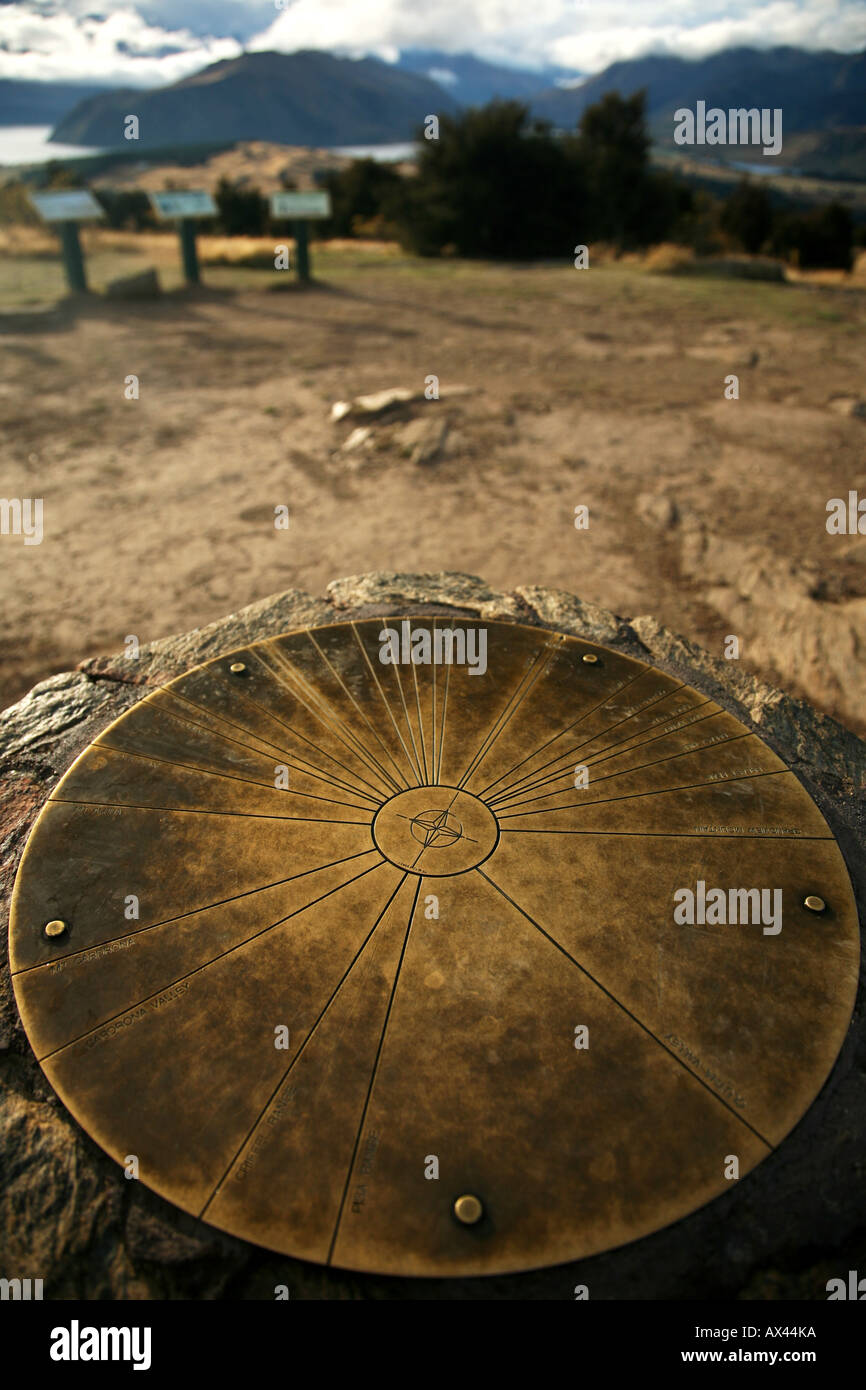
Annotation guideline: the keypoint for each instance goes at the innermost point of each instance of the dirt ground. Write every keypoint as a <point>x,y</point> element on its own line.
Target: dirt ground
<point>602,388</point>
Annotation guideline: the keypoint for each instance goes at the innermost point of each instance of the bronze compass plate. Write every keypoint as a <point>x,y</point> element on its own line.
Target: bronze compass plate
<point>389,965</point>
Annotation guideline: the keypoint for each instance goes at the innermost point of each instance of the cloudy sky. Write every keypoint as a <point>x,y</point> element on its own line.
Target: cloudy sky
<point>149,42</point>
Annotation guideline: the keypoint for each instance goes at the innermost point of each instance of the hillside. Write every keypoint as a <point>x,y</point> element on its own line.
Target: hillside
<point>472,81</point>
<point>41,103</point>
<point>819,94</point>
<point>304,98</point>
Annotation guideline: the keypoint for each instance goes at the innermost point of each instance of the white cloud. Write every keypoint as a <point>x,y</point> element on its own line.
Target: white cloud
<point>694,30</point>
<point>135,42</point>
<point>444,76</point>
<point>585,36</point>
<point>115,48</point>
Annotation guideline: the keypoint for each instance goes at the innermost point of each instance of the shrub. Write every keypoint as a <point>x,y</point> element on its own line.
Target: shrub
<point>747,216</point>
<point>819,240</point>
<point>494,184</point>
<point>366,199</point>
<point>240,211</point>
<point>126,209</point>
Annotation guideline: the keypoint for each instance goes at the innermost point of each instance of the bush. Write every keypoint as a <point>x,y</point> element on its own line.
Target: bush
<point>498,184</point>
<point>612,148</point>
<point>58,176</point>
<point>697,226</point>
<point>16,207</point>
<point>366,199</point>
<point>819,240</point>
<point>127,210</point>
<point>494,184</point>
<point>747,216</point>
<point>240,211</point>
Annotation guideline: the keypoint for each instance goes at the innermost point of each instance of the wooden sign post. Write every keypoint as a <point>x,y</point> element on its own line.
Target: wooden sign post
<point>67,208</point>
<point>301,208</point>
<point>185,208</point>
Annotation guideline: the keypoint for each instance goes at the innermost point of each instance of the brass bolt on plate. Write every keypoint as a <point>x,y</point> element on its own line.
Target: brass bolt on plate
<point>814,904</point>
<point>590,658</point>
<point>468,1209</point>
<point>237,668</point>
<point>55,928</point>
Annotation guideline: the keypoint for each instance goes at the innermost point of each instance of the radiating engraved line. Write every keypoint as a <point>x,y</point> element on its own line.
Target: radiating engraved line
<point>442,726</point>
<point>283,1079</point>
<point>385,700</point>
<point>277,748</point>
<point>652,791</point>
<point>193,911</point>
<point>161,707</point>
<point>414,761</point>
<point>627,771</point>
<point>316,704</point>
<point>321,710</point>
<point>206,811</point>
<point>373,730</point>
<point>227,776</point>
<point>770,837</point>
<point>276,675</point>
<point>540,660</point>
<point>205,965</point>
<point>634,1018</point>
<point>614,750</point>
<point>541,747</point>
<point>602,733</point>
<point>373,1076</point>
<point>420,720</point>
<point>433,766</point>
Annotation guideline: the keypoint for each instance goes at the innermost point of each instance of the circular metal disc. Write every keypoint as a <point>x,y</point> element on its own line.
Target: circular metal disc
<point>389,965</point>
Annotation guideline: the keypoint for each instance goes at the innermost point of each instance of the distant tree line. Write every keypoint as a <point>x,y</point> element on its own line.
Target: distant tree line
<point>499,184</point>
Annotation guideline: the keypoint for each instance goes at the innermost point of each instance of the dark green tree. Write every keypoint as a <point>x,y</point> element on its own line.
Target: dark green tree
<point>367,191</point>
<point>822,239</point>
<point>240,211</point>
<point>496,184</point>
<point>127,209</point>
<point>747,216</point>
<point>613,148</point>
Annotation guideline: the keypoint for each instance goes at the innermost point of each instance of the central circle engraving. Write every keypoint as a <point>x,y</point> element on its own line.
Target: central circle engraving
<point>435,831</point>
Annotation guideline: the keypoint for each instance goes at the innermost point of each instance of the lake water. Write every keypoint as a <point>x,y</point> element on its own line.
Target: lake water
<point>28,144</point>
<point>384,153</point>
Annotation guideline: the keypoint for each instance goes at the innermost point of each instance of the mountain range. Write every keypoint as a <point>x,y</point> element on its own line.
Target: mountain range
<point>315,98</point>
<point>816,91</point>
<point>41,103</point>
<point>304,98</point>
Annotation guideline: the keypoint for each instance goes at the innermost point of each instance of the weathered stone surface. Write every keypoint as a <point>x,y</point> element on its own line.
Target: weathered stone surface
<point>557,609</point>
<point>810,738</point>
<point>70,1217</point>
<point>49,710</point>
<point>815,631</point>
<point>384,591</point>
<point>163,660</point>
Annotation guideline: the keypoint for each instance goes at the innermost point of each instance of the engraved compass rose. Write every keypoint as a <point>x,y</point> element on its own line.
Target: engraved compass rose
<point>435,829</point>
